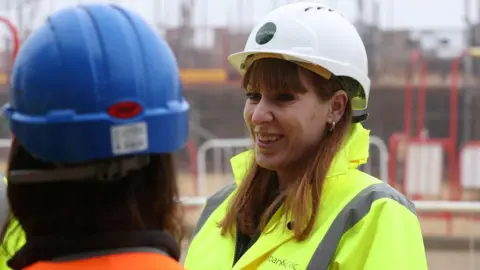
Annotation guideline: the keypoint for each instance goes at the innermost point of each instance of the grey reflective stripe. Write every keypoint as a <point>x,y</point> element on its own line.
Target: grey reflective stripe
<point>212,203</point>
<point>353,212</point>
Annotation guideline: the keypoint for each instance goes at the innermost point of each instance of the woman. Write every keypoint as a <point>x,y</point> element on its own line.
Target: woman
<point>302,203</point>
<point>96,111</point>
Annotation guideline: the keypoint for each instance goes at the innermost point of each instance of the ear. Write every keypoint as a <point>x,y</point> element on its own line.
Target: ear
<point>338,103</point>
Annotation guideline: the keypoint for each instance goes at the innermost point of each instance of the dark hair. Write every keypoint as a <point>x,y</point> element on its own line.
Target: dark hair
<point>145,199</point>
<point>271,74</point>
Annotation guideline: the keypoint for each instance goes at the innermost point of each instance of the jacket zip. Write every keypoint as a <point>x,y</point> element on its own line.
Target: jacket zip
<point>242,244</point>
<point>237,247</point>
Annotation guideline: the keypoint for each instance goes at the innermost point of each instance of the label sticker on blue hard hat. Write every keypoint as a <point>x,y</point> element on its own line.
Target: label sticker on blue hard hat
<point>129,138</point>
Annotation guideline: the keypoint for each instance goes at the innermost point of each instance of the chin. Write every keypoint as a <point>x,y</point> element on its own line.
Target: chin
<point>269,162</point>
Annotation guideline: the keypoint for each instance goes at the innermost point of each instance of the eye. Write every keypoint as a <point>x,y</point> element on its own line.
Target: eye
<point>286,97</point>
<point>253,96</point>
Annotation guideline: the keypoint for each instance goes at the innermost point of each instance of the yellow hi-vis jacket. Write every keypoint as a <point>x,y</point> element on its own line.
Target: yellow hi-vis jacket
<point>362,224</point>
<point>15,237</point>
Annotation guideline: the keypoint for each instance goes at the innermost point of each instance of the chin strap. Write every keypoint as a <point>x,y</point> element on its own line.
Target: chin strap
<point>104,171</point>
<point>359,116</point>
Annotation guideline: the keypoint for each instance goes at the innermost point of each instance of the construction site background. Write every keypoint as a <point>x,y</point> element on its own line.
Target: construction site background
<point>424,111</point>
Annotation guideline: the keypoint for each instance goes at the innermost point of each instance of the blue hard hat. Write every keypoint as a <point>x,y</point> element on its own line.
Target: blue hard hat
<point>95,82</point>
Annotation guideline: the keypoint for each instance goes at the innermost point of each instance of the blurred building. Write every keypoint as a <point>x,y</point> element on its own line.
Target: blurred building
<point>212,86</point>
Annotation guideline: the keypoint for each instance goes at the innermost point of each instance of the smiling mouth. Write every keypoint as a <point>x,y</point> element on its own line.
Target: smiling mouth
<point>268,138</point>
<point>267,141</point>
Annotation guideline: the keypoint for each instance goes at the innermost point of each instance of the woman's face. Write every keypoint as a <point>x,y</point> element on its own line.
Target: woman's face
<point>287,126</point>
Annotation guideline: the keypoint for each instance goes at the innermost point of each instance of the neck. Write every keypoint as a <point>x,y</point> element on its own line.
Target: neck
<point>285,177</point>
<point>291,173</point>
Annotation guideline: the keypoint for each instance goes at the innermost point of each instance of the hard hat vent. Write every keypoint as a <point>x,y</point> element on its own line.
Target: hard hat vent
<point>318,8</point>
<point>311,8</point>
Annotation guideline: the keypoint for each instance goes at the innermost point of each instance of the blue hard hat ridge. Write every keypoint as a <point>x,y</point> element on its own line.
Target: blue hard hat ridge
<point>82,61</point>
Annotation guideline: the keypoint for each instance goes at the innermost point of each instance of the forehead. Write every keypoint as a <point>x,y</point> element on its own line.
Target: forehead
<point>277,75</point>
<point>273,75</point>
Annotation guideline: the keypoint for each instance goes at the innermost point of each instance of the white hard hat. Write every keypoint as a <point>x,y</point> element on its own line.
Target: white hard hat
<point>311,34</point>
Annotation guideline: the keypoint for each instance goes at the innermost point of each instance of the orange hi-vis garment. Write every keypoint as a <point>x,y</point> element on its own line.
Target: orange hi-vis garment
<point>121,261</point>
<point>140,250</point>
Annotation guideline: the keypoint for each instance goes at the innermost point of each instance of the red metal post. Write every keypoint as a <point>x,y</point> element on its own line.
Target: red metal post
<point>407,117</point>
<point>15,36</point>
<point>453,133</point>
<point>415,57</point>
<point>16,40</point>
<point>422,93</point>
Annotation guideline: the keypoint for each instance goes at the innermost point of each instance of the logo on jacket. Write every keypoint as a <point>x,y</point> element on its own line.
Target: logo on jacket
<point>283,262</point>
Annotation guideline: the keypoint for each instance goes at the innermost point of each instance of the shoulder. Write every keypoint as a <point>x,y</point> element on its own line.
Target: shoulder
<point>358,190</point>
<point>377,205</point>
<point>168,263</point>
<point>377,191</point>
<point>381,203</point>
<point>223,193</point>
<point>370,199</point>
<point>382,194</point>
<point>213,202</point>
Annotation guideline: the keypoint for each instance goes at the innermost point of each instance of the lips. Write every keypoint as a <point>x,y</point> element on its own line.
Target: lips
<point>265,139</point>
<point>268,138</point>
<point>268,141</point>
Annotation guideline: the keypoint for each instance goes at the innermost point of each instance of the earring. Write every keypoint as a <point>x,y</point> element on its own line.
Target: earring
<point>332,127</point>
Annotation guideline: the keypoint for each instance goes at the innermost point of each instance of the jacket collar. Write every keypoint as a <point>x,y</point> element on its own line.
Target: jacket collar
<point>48,248</point>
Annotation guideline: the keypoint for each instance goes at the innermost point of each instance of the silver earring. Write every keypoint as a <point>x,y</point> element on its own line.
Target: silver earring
<point>332,126</point>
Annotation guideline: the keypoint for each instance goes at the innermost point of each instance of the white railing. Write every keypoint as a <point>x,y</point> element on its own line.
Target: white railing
<point>5,143</point>
<point>214,144</point>
<point>383,156</point>
<point>221,146</point>
<point>422,206</point>
<point>459,207</point>
<point>195,201</point>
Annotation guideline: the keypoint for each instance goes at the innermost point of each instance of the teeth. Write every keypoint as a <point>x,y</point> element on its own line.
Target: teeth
<point>267,138</point>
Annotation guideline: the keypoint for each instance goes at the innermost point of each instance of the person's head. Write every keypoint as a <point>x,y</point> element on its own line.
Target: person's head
<point>304,71</point>
<point>289,111</point>
<point>96,111</point>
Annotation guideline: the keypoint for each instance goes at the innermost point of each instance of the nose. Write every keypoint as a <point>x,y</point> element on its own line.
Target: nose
<point>262,113</point>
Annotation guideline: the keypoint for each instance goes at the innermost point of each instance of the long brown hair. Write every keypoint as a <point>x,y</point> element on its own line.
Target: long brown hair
<point>302,197</point>
<point>145,199</point>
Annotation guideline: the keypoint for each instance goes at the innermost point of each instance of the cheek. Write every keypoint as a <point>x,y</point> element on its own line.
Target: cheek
<point>320,129</point>
<point>297,122</point>
<point>247,113</point>
<point>315,125</point>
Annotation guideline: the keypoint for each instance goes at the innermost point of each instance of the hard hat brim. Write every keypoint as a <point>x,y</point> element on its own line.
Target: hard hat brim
<point>237,60</point>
